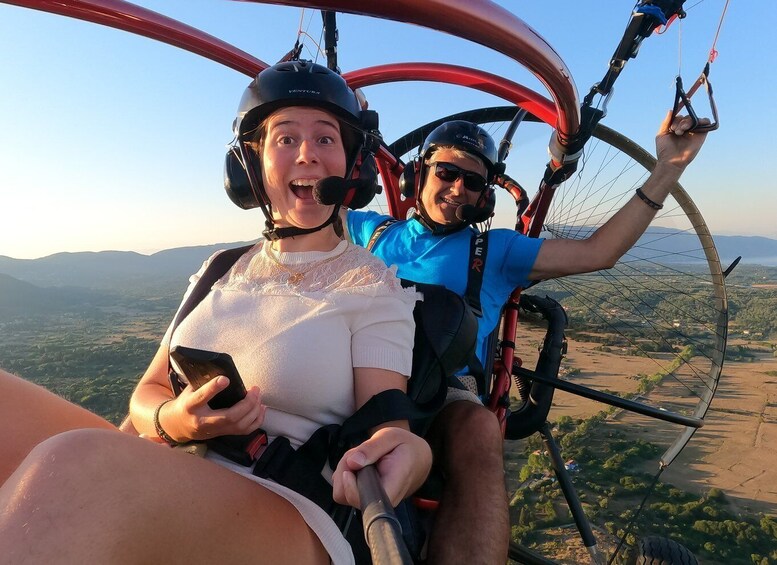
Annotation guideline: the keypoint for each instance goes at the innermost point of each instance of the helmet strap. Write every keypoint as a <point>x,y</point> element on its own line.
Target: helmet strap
<point>274,233</point>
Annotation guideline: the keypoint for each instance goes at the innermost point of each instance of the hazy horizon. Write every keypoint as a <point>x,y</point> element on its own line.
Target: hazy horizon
<point>767,260</point>
<point>129,138</point>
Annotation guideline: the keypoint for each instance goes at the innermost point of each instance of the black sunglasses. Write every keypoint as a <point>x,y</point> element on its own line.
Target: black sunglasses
<point>448,172</point>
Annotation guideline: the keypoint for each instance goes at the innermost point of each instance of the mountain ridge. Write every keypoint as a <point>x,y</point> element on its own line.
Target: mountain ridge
<point>123,270</point>
<point>113,270</point>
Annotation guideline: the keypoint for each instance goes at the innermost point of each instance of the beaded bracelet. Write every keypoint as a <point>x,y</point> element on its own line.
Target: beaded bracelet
<point>648,201</point>
<point>158,426</point>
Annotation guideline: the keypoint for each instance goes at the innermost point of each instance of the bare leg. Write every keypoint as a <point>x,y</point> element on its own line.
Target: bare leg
<point>29,414</point>
<point>472,524</point>
<point>92,496</point>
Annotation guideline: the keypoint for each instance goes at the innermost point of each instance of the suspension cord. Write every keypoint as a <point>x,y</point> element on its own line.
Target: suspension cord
<point>683,98</point>
<point>680,49</point>
<point>713,51</point>
<point>295,53</point>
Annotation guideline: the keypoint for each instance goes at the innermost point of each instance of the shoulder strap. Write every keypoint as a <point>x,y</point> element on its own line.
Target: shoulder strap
<point>477,264</point>
<point>218,268</point>
<point>221,263</point>
<point>377,233</point>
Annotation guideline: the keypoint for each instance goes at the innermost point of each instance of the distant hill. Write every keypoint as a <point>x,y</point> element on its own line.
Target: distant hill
<point>759,250</point>
<point>677,246</point>
<point>168,271</point>
<point>113,270</point>
<point>17,297</point>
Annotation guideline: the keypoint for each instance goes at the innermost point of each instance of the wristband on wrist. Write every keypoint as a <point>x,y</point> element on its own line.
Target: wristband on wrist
<point>158,426</point>
<point>648,201</point>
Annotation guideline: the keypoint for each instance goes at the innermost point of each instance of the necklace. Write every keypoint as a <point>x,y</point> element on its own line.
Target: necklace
<point>297,276</point>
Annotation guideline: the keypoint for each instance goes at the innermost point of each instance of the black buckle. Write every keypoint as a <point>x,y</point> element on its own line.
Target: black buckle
<point>243,450</point>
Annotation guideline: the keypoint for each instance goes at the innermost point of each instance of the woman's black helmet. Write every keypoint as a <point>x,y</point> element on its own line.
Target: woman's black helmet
<point>298,83</point>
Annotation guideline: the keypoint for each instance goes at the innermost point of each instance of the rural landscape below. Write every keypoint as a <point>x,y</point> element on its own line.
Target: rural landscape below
<point>85,325</point>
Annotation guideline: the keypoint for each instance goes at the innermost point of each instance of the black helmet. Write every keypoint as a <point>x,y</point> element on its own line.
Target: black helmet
<point>290,83</point>
<point>466,136</point>
<point>295,83</point>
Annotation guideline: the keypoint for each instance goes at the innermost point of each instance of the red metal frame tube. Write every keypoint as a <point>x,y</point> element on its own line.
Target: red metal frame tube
<point>490,83</point>
<point>141,21</point>
<point>483,22</point>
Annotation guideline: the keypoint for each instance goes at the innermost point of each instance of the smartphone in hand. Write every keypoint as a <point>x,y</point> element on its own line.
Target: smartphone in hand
<point>200,367</point>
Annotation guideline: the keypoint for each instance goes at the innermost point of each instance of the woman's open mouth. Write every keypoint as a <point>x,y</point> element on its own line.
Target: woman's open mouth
<point>303,188</point>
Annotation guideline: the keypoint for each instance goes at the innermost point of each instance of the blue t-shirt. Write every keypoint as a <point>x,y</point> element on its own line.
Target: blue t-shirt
<point>424,257</point>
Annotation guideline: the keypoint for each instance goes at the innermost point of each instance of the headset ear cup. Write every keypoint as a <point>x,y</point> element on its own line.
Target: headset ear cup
<point>366,173</point>
<point>236,182</point>
<point>409,179</point>
<point>489,204</point>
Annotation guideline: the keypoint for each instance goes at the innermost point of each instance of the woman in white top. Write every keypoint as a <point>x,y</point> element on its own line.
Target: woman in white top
<point>316,328</point>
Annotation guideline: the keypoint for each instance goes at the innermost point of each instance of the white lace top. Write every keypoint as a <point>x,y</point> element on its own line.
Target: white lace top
<point>297,323</point>
<point>297,330</point>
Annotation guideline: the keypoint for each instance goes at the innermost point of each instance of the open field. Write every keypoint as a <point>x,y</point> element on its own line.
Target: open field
<point>735,451</point>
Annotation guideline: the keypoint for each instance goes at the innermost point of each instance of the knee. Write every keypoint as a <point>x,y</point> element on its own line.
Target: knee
<point>73,457</point>
<point>66,480</point>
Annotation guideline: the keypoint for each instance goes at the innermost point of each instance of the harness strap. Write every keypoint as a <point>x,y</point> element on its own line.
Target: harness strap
<point>377,233</point>
<point>300,470</point>
<point>477,264</point>
<point>386,406</point>
<point>217,268</point>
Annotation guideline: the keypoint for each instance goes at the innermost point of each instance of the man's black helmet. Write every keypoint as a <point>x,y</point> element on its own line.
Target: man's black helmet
<point>466,136</point>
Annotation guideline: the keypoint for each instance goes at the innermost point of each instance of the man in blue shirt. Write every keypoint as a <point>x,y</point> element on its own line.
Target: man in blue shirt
<point>452,182</point>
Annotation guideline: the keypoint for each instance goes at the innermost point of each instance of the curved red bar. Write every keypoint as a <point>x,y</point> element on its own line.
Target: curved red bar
<point>129,17</point>
<point>480,21</point>
<point>450,74</point>
<point>462,76</point>
<point>477,20</point>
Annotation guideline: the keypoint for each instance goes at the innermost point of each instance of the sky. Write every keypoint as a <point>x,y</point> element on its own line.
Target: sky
<point>114,141</point>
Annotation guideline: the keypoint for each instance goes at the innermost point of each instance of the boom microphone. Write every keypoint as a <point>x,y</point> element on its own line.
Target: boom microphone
<point>351,193</point>
<point>472,214</point>
<point>331,190</point>
<point>465,212</point>
<point>476,214</point>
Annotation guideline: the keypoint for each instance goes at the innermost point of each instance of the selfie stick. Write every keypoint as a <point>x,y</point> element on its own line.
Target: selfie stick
<point>381,526</point>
